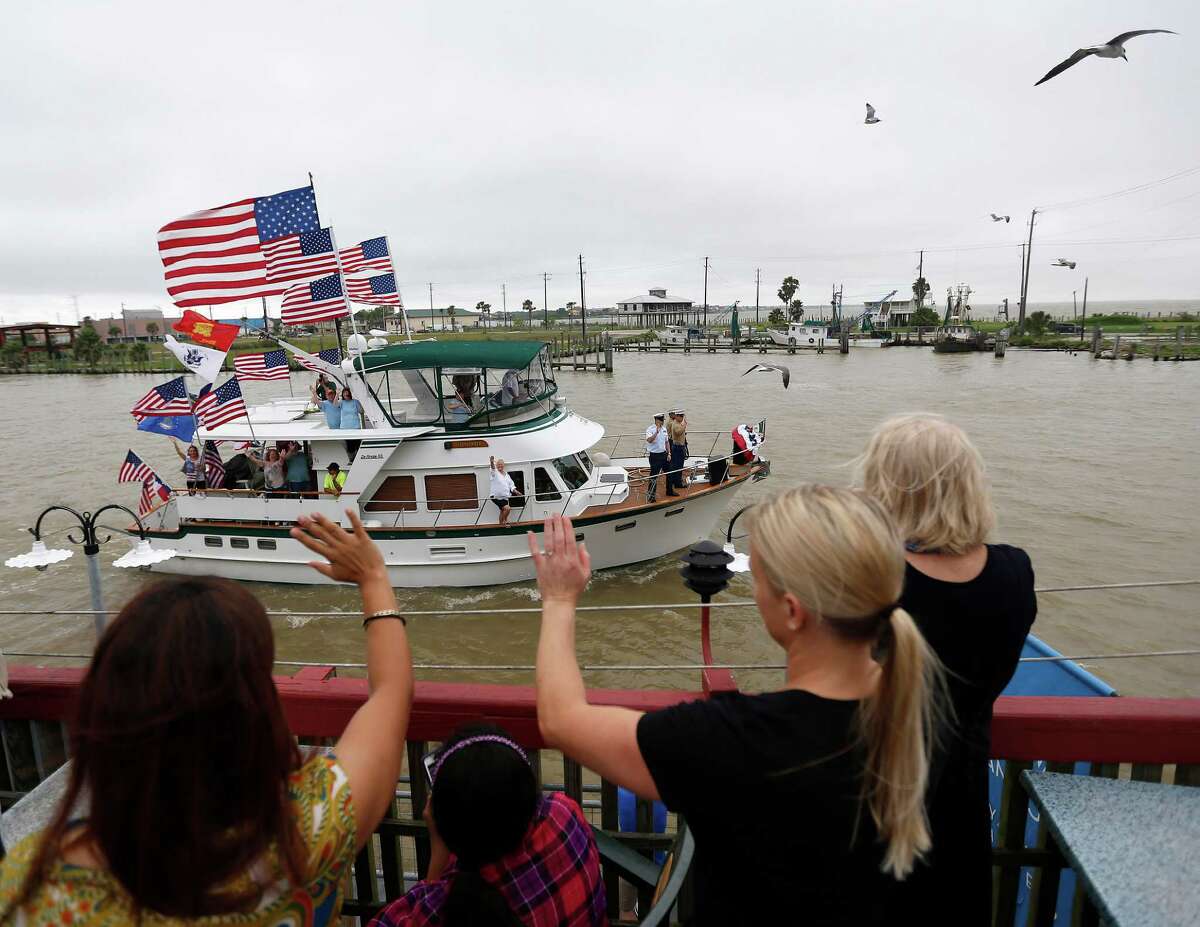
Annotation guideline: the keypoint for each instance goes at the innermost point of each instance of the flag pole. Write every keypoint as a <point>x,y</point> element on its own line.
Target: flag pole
<point>337,323</point>
<point>337,256</point>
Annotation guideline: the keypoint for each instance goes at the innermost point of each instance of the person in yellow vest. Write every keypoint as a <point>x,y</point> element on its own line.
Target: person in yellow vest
<point>335,479</point>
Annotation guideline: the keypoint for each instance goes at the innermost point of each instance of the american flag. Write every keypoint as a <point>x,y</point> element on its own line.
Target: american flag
<point>217,406</point>
<point>329,356</point>
<point>315,302</point>
<point>214,467</point>
<point>272,365</point>
<point>134,470</point>
<point>169,399</point>
<point>379,290</point>
<point>154,491</point>
<point>372,254</point>
<point>216,255</point>
<point>306,256</point>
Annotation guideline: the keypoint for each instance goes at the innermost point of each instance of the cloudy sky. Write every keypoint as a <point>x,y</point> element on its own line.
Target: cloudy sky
<point>493,142</point>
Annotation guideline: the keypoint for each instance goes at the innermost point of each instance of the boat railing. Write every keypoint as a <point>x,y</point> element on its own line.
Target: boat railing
<point>1146,739</point>
<point>568,496</point>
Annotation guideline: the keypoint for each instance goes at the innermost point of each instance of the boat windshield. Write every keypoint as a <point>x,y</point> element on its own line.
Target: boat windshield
<point>572,471</point>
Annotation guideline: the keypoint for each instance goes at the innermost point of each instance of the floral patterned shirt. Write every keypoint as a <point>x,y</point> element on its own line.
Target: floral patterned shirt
<point>77,896</point>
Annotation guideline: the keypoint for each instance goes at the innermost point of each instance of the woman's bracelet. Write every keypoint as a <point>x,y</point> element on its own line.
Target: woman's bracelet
<point>386,613</point>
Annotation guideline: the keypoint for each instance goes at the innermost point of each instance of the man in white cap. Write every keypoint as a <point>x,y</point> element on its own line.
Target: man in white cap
<point>656,450</point>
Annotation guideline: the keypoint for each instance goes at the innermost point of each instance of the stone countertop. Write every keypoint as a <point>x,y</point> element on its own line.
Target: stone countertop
<point>1135,845</point>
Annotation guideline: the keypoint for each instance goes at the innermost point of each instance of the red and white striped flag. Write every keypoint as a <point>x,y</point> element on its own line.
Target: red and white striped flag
<point>271,365</point>
<point>134,469</point>
<point>306,256</point>
<point>169,399</point>
<point>317,301</point>
<point>215,407</point>
<point>214,467</point>
<point>216,255</point>
<point>372,254</point>
<point>379,290</point>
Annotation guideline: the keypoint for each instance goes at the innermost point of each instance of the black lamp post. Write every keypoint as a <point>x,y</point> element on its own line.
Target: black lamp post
<point>706,573</point>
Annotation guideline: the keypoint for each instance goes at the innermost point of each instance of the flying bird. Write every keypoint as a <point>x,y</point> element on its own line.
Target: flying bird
<point>871,118</point>
<point>1113,48</point>
<point>996,218</point>
<point>1063,262</point>
<point>772,368</point>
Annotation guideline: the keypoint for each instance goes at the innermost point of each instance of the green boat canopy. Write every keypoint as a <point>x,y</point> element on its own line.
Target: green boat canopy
<point>506,355</point>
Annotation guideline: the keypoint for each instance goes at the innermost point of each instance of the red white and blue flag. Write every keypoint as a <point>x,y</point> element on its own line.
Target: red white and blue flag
<point>379,290</point>
<point>271,365</point>
<point>372,254</point>
<point>216,255</point>
<point>134,470</point>
<point>306,256</point>
<point>316,362</point>
<point>317,301</point>
<point>214,467</point>
<point>169,399</point>
<point>215,407</point>
<point>154,491</point>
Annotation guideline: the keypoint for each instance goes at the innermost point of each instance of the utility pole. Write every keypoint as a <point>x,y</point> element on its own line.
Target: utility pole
<point>545,301</point>
<point>1025,278</point>
<point>1074,306</point>
<point>266,325</point>
<point>125,321</point>
<point>921,281</point>
<point>431,304</point>
<point>757,283</point>
<point>582,300</point>
<point>504,302</point>
<point>706,291</point>
<point>1083,319</point>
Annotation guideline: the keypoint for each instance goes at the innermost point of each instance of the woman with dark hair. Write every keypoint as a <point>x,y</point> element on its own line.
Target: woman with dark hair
<point>198,802</point>
<point>502,853</point>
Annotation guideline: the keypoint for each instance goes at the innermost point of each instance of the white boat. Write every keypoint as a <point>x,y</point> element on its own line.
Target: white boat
<point>814,334</point>
<point>680,334</point>
<point>418,475</point>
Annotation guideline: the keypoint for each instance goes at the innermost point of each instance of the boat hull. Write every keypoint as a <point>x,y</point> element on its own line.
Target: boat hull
<point>469,556</point>
<point>955,347</point>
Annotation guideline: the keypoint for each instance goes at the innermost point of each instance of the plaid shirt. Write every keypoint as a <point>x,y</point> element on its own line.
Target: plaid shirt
<point>552,879</point>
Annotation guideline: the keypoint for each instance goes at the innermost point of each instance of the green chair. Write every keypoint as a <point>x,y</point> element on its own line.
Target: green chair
<point>665,881</point>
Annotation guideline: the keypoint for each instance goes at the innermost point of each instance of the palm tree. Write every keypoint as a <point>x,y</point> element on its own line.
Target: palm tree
<point>450,310</point>
<point>528,307</point>
<point>114,331</point>
<point>151,329</point>
<point>484,310</point>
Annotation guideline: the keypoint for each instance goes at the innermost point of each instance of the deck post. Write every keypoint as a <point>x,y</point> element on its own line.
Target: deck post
<point>844,341</point>
<point>1116,346</point>
<point>608,352</point>
<point>1096,341</point>
<point>1001,344</point>
<point>791,345</point>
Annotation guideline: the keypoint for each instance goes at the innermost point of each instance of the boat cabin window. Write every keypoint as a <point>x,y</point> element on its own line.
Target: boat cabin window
<point>544,487</point>
<point>586,461</point>
<point>451,491</point>
<point>395,494</point>
<point>572,472</point>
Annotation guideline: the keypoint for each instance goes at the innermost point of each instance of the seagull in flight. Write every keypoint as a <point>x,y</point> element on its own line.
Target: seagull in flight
<point>871,118</point>
<point>996,218</point>
<point>1063,262</point>
<point>1113,48</point>
<point>772,368</point>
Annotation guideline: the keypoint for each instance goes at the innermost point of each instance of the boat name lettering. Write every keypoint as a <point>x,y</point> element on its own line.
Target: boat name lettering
<point>370,457</point>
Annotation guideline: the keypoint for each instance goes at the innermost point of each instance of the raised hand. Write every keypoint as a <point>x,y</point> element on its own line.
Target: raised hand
<point>352,556</point>
<point>564,569</point>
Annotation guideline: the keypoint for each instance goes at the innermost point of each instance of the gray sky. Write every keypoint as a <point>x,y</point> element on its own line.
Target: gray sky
<point>496,141</point>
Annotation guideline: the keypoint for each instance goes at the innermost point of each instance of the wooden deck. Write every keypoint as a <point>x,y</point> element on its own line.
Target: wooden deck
<point>637,492</point>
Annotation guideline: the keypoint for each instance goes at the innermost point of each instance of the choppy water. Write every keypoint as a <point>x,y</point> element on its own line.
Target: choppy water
<point>1093,465</point>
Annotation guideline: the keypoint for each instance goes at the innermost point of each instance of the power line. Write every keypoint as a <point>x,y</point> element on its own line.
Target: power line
<point>1137,188</point>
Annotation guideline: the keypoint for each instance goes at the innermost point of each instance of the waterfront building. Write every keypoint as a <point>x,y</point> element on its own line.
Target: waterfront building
<point>134,325</point>
<point>36,336</point>
<point>889,312</point>
<point>655,308</point>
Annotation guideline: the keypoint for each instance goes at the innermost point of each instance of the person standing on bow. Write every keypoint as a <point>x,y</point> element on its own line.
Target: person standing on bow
<point>677,433</point>
<point>656,450</point>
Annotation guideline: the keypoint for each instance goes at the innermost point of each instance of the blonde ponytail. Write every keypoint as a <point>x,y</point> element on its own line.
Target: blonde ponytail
<point>897,728</point>
<point>840,554</point>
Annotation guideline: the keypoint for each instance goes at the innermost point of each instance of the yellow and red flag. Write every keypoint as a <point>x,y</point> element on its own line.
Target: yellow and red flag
<point>204,331</point>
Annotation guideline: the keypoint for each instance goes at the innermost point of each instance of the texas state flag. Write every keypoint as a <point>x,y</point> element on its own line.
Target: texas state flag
<point>182,427</point>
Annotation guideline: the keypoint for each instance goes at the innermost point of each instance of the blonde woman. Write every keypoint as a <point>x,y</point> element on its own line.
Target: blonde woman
<point>807,803</point>
<point>974,602</point>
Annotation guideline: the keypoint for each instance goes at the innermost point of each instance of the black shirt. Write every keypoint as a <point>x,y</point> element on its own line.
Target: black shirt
<point>769,785</point>
<point>977,629</point>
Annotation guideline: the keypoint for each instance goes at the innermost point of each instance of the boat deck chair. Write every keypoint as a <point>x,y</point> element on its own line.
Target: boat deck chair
<point>665,881</point>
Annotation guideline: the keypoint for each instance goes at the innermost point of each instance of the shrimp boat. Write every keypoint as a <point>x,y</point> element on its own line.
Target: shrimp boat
<point>418,475</point>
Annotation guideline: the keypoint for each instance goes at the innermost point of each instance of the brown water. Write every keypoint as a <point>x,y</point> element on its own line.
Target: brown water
<point>1093,466</point>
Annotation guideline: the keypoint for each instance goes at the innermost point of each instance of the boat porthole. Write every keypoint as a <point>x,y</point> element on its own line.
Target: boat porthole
<point>812,340</point>
<point>240,543</point>
<point>266,544</point>
<point>672,512</point>
<point>213,542</point>
<point>626,526</point>
<point>578,538</point>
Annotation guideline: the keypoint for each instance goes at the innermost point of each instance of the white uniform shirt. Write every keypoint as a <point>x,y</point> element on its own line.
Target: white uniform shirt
<point>656,445</point>
<point>502,486</point>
